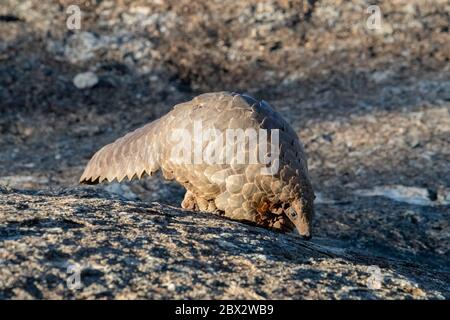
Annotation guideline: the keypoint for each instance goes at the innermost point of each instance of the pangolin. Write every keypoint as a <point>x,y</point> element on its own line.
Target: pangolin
<point>216,168</point>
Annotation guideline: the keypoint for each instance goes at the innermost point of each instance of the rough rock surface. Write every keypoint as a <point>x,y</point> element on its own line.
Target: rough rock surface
<point>371,106</point>
<point>127,249</point>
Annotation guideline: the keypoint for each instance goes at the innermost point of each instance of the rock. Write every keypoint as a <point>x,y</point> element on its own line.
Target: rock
<point>81,243</point>
<point>122,190</point>
<point>85,80</point>
<point>380,76</point>
<point>411,195</point>
<point>320,198</point>
<point>81,47</point>
<point>22,181</point>
<point>372,108</point>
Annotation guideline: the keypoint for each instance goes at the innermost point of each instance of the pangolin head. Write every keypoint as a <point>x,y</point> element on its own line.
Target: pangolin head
<point>301,211</point>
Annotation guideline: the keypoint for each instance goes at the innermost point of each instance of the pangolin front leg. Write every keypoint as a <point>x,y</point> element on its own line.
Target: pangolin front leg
<point>189,201</point>
<point>197,203</point>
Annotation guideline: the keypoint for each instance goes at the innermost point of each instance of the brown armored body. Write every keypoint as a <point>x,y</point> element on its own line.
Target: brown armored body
<point>218,169</point>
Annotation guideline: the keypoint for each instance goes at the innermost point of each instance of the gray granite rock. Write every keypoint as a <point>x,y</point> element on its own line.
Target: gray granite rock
<point>85,243</point>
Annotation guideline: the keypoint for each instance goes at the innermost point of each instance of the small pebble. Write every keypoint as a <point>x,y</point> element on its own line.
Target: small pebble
<point>85,80</point>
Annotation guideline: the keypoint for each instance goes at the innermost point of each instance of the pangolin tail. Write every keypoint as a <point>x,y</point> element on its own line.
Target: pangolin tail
<point>130,156</point>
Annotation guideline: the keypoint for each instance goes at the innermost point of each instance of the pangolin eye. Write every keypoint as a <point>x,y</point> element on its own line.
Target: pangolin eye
<point>292,213</point>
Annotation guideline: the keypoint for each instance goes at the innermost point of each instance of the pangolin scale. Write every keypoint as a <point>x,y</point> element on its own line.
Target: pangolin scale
<point>282,200</point>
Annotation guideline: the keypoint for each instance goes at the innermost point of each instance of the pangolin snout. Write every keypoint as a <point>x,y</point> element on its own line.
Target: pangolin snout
<point>300,216</point>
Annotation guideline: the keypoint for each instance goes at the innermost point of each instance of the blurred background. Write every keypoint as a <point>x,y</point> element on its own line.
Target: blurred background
<point>366,85</point>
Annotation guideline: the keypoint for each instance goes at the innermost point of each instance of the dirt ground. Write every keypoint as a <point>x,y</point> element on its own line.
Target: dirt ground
<point>372,106</point>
